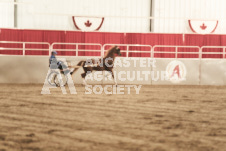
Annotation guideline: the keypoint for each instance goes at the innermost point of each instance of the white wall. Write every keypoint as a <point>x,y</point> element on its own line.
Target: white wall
<point>7,14</point>
<point>171,16</point>
<point>184,10</point>
<point>57,14</point>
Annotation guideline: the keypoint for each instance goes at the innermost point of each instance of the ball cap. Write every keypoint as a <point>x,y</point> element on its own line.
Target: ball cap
<point>54,52</point>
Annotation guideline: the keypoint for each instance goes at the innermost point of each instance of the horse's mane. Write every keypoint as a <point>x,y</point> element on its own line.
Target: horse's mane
<point>109,51</point>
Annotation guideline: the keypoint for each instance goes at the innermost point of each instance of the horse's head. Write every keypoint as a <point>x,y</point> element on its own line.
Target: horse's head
<point>112,52</point>
<point>117,51</point>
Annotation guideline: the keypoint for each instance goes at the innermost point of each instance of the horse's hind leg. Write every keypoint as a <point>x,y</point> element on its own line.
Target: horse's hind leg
<point>83,78</point>
<point>86,72</point>
<point>83,75</point>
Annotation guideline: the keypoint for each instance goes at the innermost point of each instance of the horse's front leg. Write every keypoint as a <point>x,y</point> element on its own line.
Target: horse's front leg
<point>112,73</point>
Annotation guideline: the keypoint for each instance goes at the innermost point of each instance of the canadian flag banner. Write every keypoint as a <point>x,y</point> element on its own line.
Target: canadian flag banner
<point>87,23</point>
<point>203,26</point>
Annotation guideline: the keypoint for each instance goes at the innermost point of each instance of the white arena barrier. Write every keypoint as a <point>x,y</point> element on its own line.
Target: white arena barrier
<point>213,72</point>
<point>31,69</point>
<point>34,69</point>
<point>180,71</point>
<point>23,69</point>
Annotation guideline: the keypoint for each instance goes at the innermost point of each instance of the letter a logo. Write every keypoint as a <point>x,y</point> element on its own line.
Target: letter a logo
<point>176,70</point>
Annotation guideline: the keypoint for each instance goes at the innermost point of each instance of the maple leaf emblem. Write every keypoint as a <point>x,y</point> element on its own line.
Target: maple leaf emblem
<point>88,23</point>
<point>203,27</point>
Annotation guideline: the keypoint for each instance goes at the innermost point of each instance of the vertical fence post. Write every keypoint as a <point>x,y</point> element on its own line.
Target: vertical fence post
<point>176,52</point>
<point>102,51</point>
<point>200,52</point>
<point>127,51</point>
<point>49,48</point>
<point>23,48</point>
<point>151,53</point>
<point>224,52</point>
<point>200,65</point>
<point>76,50</point>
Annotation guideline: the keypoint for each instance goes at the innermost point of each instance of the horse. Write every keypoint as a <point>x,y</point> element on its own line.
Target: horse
<point>102,64</point>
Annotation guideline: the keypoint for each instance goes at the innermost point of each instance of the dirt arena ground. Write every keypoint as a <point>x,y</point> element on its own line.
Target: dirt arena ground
<point>160,118</point>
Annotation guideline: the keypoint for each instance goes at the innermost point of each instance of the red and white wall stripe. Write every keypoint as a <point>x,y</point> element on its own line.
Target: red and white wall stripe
<point>111,38</point>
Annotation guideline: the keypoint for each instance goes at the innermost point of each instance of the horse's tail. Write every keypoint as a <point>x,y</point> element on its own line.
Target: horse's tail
<point>81,63</point>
